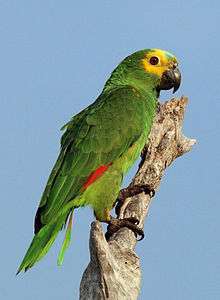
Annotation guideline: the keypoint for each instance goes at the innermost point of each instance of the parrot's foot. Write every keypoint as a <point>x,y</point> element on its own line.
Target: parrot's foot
<point>130,192</point>
<point>115,224</point>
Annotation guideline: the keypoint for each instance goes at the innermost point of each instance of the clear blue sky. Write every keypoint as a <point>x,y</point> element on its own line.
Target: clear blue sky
<point>55,58</point>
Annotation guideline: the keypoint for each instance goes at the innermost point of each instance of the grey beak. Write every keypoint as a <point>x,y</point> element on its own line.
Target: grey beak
<point>170,79</point>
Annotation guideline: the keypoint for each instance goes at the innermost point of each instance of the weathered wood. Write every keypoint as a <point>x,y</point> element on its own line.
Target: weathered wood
<point>114,271</point>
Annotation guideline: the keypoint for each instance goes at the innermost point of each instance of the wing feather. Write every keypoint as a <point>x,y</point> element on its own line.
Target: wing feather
<point>96,136</point>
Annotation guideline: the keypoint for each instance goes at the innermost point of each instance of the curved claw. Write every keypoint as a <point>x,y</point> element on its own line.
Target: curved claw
<point>141,237</point>
<point>131,223</point>
<point>130,192</point>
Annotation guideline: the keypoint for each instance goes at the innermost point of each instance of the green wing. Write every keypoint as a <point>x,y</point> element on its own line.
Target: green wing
<point>95,137</point>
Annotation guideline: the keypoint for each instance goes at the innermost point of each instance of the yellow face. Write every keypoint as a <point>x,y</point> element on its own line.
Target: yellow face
<point>158,61</point>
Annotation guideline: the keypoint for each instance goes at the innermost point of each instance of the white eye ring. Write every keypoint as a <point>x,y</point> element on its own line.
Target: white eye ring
<point>154,60</point>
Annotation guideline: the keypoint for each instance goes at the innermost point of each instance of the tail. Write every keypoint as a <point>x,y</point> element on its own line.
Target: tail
<point>44,239</point>
<point>66,241</point>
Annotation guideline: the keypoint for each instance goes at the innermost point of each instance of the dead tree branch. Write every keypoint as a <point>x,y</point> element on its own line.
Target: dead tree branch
<point>114,271</point>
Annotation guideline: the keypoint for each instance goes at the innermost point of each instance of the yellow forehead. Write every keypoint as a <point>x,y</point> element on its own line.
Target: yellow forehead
<point>166,60</point>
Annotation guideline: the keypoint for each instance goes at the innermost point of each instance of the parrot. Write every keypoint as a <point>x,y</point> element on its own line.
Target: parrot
<point>98,147</point>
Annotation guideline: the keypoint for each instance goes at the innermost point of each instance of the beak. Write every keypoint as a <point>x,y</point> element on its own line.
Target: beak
<point>170,79</point>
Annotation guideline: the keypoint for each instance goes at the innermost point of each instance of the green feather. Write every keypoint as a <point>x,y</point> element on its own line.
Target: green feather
<point>66,241</point>
<point>41,243</point>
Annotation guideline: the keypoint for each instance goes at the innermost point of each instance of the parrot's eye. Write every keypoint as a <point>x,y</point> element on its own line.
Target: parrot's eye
<point>154,60</point>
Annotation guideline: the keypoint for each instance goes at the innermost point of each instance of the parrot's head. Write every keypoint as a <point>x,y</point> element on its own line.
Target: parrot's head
<point>150,69</point>
<point>162,66</point>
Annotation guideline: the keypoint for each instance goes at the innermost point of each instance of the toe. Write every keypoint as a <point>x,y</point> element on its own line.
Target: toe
<point>133,220</point>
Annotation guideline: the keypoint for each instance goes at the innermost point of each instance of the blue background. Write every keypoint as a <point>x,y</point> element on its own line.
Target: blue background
<point>55,58</point>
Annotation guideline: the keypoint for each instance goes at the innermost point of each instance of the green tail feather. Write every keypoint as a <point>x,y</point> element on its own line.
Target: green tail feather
<point>44,239</point>
<point>42,242</point>
<point>66,241</point>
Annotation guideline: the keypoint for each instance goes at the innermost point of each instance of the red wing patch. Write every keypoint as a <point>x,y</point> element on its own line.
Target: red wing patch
<point>95,175</point>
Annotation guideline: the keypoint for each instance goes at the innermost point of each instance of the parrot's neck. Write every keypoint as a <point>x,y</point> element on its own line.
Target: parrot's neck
<point>121,77</point>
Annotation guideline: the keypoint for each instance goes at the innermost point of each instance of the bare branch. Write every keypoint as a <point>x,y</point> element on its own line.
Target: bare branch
<point>114,270</point>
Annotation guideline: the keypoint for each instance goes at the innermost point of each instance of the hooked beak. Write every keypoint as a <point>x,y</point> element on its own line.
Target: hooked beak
<point>170,79</point>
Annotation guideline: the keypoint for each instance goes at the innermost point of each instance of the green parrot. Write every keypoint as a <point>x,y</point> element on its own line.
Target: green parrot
<point>99,145</point>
